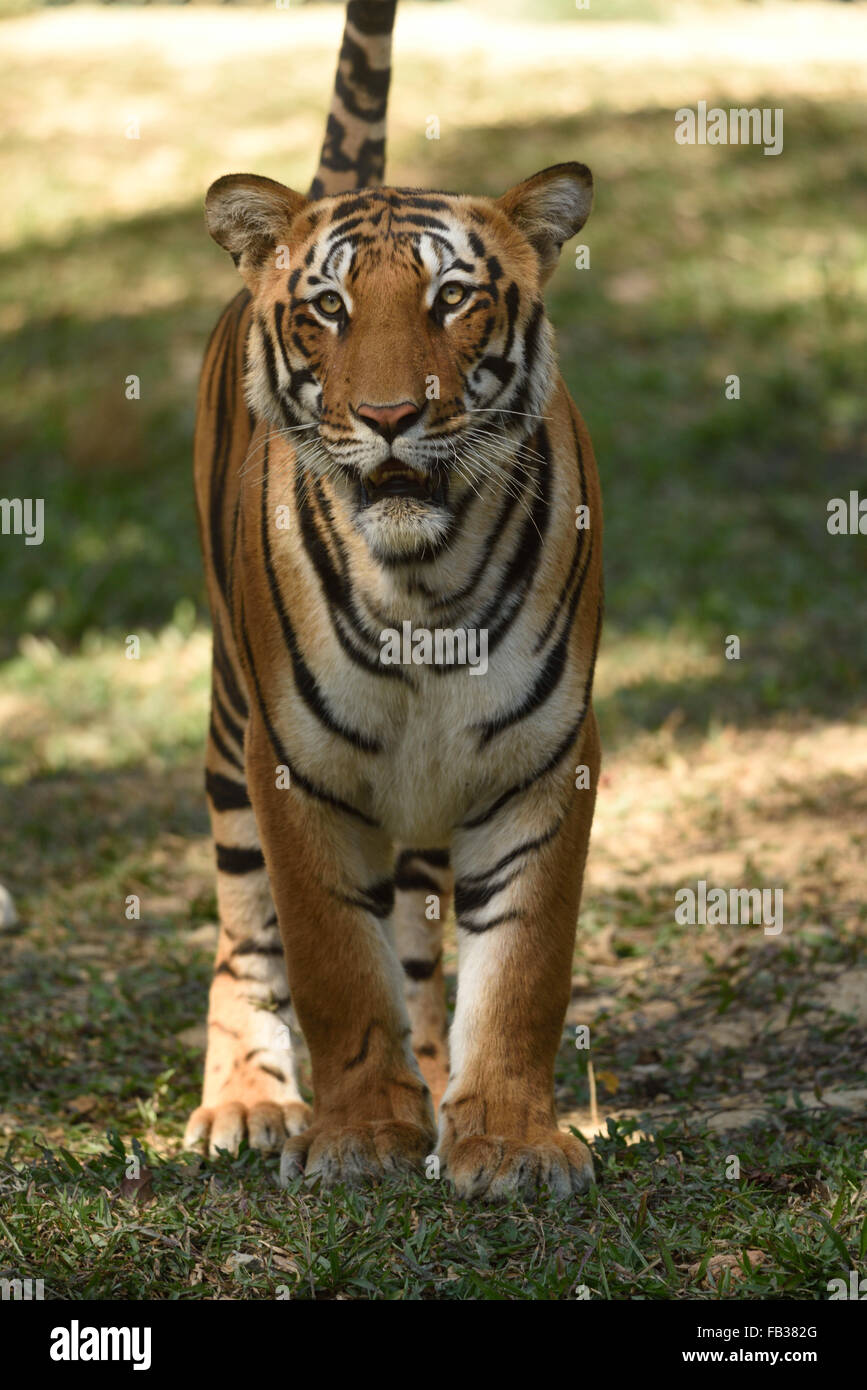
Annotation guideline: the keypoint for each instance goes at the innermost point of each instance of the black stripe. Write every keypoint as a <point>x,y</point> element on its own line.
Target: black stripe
<point>223,748</point>
<point>220,327</point>
<point>495,270</point>
<point>218,706</point>
<point>420,219</point>
<point>579,548</point>
<point>548,678</point>
<point>364,90</point>
<point>518,576</point>
<point>498,367</point>
<point>559,753</point>
<point>231,860</point>
<point>223,435</point>
<point>551,620</point>
<point>297,778</point>
<point>415,881</point>
<point>347,225</point>
<point>214,351</point>
<point>494,922</point>
<point>439,858</point>
<point>305,682</point>
<point>327,512</point>
<point>233,550</point>
<point>252,948</point>
<point>225,794</point>
<point>378,899</point>
<point>529,354</point>
<point>469,897</point>
<point>409,878</point>
<point>367,165</point>
<point>219,459</point>
<point>279,310</point>
<point>371,17</point>
<point>270,359</point>
<point>353,204</point>
<point>362,1053</point>
<point>421,969</point>
<point>398,197</point>
<point>447,601</point>
<point>224,670</point>
<point>513,300</point>
<point>526,848</point>
<point>337,592</point>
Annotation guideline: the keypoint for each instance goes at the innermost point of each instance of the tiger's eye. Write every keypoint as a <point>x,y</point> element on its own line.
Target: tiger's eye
<point>452,294</point>
<point>330,303</point>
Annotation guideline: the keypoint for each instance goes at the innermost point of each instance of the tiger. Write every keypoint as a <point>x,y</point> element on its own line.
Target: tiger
<point>384,447</point>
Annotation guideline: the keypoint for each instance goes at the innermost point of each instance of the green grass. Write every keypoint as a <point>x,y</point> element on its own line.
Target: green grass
<point>662,1212</point>
<point>704,262</point>
<point>98,1047</point>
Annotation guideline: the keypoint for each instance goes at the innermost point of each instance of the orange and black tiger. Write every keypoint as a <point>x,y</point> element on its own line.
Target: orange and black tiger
<point>401,524</point>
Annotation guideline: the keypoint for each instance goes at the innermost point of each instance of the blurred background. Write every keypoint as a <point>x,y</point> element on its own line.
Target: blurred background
<point>704,261</point>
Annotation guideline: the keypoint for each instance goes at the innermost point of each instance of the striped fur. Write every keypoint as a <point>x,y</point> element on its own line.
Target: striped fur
<point>353,153</point>
<point>406,782</point>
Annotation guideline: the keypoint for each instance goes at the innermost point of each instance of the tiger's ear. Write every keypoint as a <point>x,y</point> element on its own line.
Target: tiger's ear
<point>549,208</point>
<point>249,216</point>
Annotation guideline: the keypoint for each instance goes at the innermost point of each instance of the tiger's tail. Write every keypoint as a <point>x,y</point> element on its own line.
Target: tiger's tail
<point>353,152</point>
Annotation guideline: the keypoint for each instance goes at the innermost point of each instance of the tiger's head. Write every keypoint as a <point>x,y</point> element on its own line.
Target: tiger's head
<point>399,338</point>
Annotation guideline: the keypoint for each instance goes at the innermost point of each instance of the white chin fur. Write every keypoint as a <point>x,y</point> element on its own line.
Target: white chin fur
<point>398,526</point>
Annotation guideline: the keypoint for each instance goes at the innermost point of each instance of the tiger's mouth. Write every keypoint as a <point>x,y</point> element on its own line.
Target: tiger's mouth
<point>396,479</point>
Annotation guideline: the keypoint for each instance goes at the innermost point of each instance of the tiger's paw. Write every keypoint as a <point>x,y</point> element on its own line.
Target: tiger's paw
<point>496,1168</point>
<point>358,1154</point>
<point>265,1125</point>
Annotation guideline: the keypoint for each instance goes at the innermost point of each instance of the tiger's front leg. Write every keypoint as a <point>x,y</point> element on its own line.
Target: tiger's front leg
<point>331,873</point>
<point>518,880</point>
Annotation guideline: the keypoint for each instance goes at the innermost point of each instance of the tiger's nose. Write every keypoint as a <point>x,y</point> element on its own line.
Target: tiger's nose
<point>389,420</point>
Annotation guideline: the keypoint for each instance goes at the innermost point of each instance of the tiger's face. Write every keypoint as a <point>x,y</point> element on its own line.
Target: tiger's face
<point>399,338</point>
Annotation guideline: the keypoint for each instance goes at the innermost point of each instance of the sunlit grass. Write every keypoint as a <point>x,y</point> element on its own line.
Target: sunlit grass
<point>100,708</point>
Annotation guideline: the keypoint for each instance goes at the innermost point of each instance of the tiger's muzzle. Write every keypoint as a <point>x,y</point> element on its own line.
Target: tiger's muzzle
<point>395,479</point>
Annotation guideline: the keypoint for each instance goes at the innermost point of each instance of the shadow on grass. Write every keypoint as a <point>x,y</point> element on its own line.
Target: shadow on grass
<point>92,1000</point>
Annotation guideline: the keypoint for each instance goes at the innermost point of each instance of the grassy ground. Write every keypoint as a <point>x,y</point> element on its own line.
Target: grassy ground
<point>708,1044</point>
